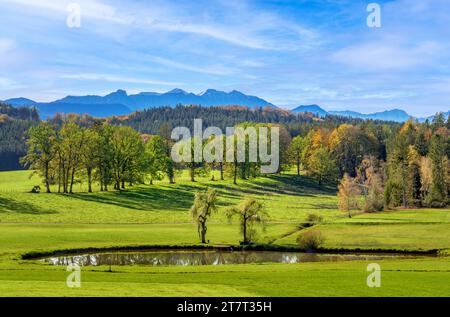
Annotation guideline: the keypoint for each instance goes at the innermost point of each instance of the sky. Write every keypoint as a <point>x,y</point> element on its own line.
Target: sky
<point>288,52</point>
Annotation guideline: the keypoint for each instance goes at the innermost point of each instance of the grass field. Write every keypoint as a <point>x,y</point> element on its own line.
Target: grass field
<point>159,215</point>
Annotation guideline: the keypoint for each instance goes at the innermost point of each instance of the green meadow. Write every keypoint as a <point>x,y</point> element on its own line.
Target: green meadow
<point>151,215</point>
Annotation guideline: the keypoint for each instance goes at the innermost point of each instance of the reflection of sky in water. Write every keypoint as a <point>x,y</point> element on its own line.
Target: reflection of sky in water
<point>187,258</point>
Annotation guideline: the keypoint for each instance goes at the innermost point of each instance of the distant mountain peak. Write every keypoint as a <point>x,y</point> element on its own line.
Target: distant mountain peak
<point>119,92</point>
<point>177,91</point>
<point>315,109</point>
<point>209,92</point>
<point>396,115</point>
<point>20,102</point>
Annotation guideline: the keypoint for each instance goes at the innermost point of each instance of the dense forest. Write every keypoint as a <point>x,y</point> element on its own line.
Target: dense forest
<point>151,120</point>
<point>14,122</point>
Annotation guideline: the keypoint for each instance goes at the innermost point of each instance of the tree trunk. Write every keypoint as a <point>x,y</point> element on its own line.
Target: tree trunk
<point>192,173</point>
<point>170,174</point>
<point>244,230</point>
<point>59,176</point>
<point>47,183</point>
<point>64,179</point>
<point>89,173</point>
<point>72,180</point>
<point>405,197</point>
<point>235,174</point>
<point>221,171</point>
<point>298,166</point>
<point>203,232</point>
<point>67,180</point>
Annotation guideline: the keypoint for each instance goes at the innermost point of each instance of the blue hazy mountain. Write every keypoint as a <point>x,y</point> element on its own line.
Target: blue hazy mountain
<point>171,98</point>
<point>20,102</point>
<point>315,109</point>
<point>396,115</point>
<point>446,115</point>
<point>120,103</point>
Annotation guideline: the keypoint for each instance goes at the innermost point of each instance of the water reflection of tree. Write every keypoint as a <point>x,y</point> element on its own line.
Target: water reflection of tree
<point>185,258</point>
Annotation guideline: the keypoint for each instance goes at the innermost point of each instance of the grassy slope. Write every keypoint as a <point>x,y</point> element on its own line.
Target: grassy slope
<point>287,198</point>
<point>48,222</point>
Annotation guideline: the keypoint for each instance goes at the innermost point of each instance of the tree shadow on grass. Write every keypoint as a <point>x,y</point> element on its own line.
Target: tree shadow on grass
<point>325,206</point>
<point>142,198</point>
<point>179,197</point>
<point>10,205</point>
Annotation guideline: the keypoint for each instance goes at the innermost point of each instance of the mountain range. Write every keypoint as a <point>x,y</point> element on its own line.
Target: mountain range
<point>396,115</point>
<point>121,103</point>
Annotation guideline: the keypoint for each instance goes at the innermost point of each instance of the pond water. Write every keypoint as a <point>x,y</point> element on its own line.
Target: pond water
<point>188,258</point>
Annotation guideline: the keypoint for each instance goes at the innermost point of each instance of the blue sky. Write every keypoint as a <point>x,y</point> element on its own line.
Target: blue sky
<point>287,52</point>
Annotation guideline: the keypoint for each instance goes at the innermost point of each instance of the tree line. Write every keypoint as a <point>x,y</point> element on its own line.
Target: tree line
<point>110,155</point>
<point>388,164</point>
<point>415,173</point>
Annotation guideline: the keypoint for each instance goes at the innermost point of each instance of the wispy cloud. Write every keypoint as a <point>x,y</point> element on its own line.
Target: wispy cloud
<point>382,56</point>
<point>206,69</point>
<point>6,45</point>
<point>9,84</point>
<point>116,79</point>
<point>250,27</point>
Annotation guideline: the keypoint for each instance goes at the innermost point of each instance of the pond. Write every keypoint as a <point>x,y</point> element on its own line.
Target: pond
<point>192,257</point>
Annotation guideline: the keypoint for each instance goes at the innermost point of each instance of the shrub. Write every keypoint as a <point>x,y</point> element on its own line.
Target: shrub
<point>310,240</point>
<point>313,219</point>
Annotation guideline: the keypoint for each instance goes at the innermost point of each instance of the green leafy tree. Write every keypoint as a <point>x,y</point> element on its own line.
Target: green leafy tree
<point>438,192</point>
<point>156,159</point>
<point>127,150</point>
<point>250,213</point>
<point>348,145</point>
<point>91,154</point>
<point>295,150</point>
<point>321,166</point>
<point>205,204</point>
<point>71,144</point>
<point>41,151</point>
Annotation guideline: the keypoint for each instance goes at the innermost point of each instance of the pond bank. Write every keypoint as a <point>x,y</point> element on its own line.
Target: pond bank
<point>256,247</point>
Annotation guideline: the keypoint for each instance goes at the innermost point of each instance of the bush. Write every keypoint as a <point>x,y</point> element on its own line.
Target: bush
<point>313,219</point>
<point>310,240</point>
<point>374,203</point>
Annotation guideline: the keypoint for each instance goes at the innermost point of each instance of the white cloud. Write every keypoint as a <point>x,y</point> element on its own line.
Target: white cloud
<point>212,70</point>
<point>246,26</point>
<point>6,45</point>
<point>9,84</point>
<point>91,9</point>
<point>384,56</point>
<point>118,79</point>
